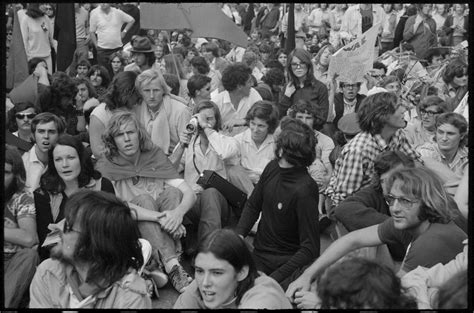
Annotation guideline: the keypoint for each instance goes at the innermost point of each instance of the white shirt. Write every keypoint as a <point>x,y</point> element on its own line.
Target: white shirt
<point>252,158</point>
<point>108,27</point>
<point>34,169</point>
<point>220,148</point>
<point>228,112</point>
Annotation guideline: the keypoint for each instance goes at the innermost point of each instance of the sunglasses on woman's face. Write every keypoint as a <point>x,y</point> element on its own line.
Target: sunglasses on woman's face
<point>21,116</point>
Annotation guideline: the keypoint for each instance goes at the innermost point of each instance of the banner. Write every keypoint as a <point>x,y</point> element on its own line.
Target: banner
<point>355,59</point>
<point>17,63</point>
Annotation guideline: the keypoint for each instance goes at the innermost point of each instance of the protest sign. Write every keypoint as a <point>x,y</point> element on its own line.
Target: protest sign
<point>356,58</point>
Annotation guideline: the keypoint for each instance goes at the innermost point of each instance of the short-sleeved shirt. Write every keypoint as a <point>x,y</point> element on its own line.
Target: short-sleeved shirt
<point>34,169</point>
<point>108,27</point>
<point>440,243</point>
<point>21,205</point>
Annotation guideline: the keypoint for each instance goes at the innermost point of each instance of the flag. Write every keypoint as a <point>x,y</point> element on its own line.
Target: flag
<point>65,34</point>
<point>290,35</point>
<point>17,63</point>
<point>355,59</point>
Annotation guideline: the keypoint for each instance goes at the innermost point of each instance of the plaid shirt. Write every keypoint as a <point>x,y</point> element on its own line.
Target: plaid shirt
<point>354,167</point>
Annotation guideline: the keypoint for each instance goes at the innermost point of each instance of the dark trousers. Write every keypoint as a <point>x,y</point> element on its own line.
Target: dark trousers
<point>103,56</point>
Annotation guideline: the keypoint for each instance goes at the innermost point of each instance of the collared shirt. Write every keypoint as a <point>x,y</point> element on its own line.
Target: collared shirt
<point>457,165</point>
<point>51,288</point>
<point>228,112</point>
<point>354,167</point>
<point>34,169</point>
<point>220,148</point>
<point>417,135</point>
<point>324,148</point>
<point>349,107</point>
<point>252,158</point>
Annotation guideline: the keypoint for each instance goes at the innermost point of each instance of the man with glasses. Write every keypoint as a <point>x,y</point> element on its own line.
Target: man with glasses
<point>46,128</point>
<point>237,98</point>
<point>347,101</point>
<point>421,220</point>
<point>96,263</point>
<point>381,118</point>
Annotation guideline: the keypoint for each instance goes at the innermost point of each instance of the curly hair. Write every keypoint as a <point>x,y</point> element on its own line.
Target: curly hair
<point>266,111</point>
<point>424,184</point>
<point>109,235</point>
<point>120,92</point>
<point>303,106</point>
<point>51,181</point>
<point>235,75</point>
<point>456,120</point>
<point>359,283</point>
<point>118,120</point>
<point>296,143</point>
<point>200,64</point>
<point>13,157</point>
<point>374,111</point>
<point>53,98</point>
<point>81,80</point>
<point>456,67</point>
<point>274,76</point>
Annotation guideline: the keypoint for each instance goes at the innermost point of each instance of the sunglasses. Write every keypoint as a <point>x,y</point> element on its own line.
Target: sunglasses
<point>390,199</point>
<point>68,228</point>
<point>21,116</point>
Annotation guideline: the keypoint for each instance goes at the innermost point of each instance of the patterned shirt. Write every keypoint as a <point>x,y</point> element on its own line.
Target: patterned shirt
<point>21,205</point>
<point>355,166</point>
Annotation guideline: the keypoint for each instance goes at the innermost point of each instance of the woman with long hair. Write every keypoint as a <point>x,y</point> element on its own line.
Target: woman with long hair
<point>303,85</point>
<point>37,33</point>
<point>117,63</point>
<point>122,95</point>
<point>70,169</point>
<point>321,63</point>
<point>173,64</point>
<point>100,79</point>
<point>226,278</point>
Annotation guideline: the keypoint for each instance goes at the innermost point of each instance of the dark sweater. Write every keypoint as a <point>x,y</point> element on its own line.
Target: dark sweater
<point>315,93</point>
<point>339,105</point>
<point>288,200</point>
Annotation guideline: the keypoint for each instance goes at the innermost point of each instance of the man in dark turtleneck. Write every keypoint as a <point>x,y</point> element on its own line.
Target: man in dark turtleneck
<point>287,238</point>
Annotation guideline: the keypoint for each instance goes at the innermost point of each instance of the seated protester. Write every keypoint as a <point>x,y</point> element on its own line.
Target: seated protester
<point>59,99</point>
<point>380,120</point>
<point>86,99</point>
<point>421,221</point>
<point>345,102</point>
<point>348,127</point>
<point>173,64</point>
<point>250,59</point>
<point>303,85</point>
<point>173,82</point>
<point>287,237</point>
<point>143,55</point>
<point>358,283</point>
<point>39,69</point>
<point>256,146</point>
<point>164,116</point>
<point>70,169</point>
<point>435,59</point>
<point>199,89</point>
<point>237,98</point>
<point>82,68</point>
<point>100,79</point>
<point>121,96</point>
<point>367,206</point>
<point>201,66</point>
<point>205,148</point>
<point>216,62</point>
<point>95,265</point>
<point>448,155</point>
<point>452,86</point>
<point>239,286</point>
<point>46,128</point>
<point>422,283</point>
<point>142,174</point>
<point>19,224</point>
<point>374,77</point>
<point>273,81</point>
<point>422,130</point>
<point>19,120</point>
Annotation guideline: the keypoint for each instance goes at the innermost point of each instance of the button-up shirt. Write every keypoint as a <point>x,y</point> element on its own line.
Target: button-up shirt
<point>34,169</point>
<point>229,112</point>
<point>253,158</point>
<point>354,167</point>
<point>457,165</point>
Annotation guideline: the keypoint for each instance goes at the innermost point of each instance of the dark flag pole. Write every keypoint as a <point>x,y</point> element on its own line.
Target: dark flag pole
<point>65,34</point>
<point>290,38</point>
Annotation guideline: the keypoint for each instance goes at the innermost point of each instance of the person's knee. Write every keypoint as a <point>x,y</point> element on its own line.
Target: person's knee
<point>145,201</point>
<point>172,193</point>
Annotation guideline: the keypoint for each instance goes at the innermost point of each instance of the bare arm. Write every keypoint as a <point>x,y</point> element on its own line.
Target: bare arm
<point>25,235</point>
<point>96,129</point>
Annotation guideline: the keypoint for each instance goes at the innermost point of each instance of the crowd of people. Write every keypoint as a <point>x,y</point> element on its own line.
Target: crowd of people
<point>105,188</point>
